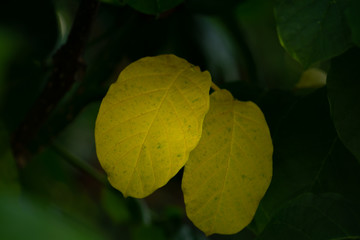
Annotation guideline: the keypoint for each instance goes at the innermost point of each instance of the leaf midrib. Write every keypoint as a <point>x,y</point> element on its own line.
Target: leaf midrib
<point>148,130</point>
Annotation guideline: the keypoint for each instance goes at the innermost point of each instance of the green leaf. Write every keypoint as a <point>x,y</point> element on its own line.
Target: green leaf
<point>115,206</point>
<point>153,7</point>
<point>26,219</point>
<point>312,30</point>
<point>308,156</point>
<point>353,19</point>
<point>343,91</point>
<point>149,121</point>
<point>315,217</point>
<point>304,140</point>
<point>229,171</point>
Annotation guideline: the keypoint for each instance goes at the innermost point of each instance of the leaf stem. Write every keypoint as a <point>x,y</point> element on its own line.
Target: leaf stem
<point>84,167</point>
<point>215,87</point>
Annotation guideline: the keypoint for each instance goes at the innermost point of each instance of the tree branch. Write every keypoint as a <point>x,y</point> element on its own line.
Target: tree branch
<point>67,64</point>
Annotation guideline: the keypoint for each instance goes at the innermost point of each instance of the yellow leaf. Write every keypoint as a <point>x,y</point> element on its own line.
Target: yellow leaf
<point>230,170</point>
<point>149,121</point>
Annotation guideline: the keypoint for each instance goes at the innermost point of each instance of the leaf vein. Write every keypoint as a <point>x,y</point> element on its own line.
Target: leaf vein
<point>244,116</point>
<point>132,118</point>
<point>148,130</point>
<point>248,136</point>
<point>226,175</point>
<point>118,101</point>
<point>123,140</point>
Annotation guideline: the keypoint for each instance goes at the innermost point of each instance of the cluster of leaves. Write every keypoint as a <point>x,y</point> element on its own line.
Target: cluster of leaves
<point>151,119</point>
<point>314,192</point>
<point>312,38</point>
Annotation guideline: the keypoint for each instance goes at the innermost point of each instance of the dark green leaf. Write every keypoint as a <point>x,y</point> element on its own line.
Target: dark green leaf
<point>312,31</point>
<point>308,156</point>
<point>343,90</point>
<point>153,7</point>
<point>301,143</point>
<point>312,217</point>
<point>353,19</point>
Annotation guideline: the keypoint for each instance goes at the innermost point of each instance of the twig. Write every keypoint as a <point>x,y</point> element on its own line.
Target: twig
<point>67,64</point>
<point>215,87</point>
<point>83,166</point>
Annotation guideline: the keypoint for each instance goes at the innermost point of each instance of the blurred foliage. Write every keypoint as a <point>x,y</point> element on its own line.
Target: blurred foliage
<point>325,216</point>
<point>344,98</point>
<point>153,6</point>
<point>33,32</point>
<point>8,171</point>
<point>24,218</point>
<point>312,31</point>
<point>316,143</point>
<point>353,19</point>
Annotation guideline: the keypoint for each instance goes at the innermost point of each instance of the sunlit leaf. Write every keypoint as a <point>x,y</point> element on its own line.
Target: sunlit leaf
<point>229,171</point>
<point>149,121</point>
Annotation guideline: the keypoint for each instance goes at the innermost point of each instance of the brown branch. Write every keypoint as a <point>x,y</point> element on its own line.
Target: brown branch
<point>67,64</point>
